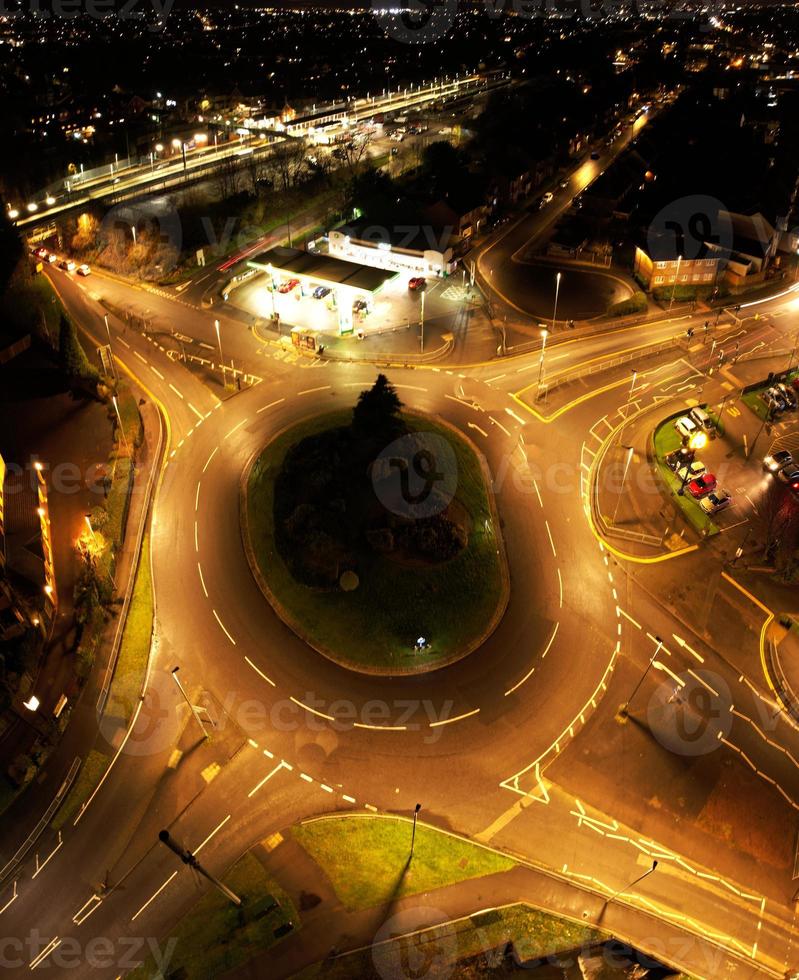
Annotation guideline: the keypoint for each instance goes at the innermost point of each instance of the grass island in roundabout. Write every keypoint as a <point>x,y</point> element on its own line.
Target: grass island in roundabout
<point>374,535</point>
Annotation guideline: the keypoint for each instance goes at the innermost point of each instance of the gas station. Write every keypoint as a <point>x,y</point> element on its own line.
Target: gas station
<point>348,282</point>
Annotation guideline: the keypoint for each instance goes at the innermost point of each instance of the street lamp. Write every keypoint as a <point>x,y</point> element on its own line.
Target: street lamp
<point>624,709</point>
<point>621,891</point>
<point>193,707</point>
<point>557,290</point>
<point>416,810</point>
<point>676,277</point>
<point>544,335</point>
<point>119,419</point>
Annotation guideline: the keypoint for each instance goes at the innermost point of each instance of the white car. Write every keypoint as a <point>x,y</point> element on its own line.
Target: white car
<point>715,501</point>
<point>692,471</point>
<point>84,270</point>
<point>686,427</point>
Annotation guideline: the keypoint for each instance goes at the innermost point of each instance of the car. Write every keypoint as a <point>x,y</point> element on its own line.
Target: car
<point>702,485</point>
<point>595,154</point>
<point>546,199</point>
<point>691,472</point>
<point>67,265</point>
<point>715,501</point>
<point>564,183</point>
<point>84,270</point>
<point>703,420</point>
<point>789,473</point>
<point>52,257</point>
<point>40,253</point>
<point>776,460</point>
<point>788,395</point>
<point>416,283</point>
<point>680,457</point>
<point>287,285</point>
<point>360,306</point>
<point>773,400</point>
<point>321,291</point>
<point>686,427</point>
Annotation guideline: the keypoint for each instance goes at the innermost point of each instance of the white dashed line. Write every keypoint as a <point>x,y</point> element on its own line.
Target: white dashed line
<point>208,461</point>
<point>175,390</point>
<point>199,415</point>
<point>157,372</point>
<point>202,580</point>
<point>222,627</point>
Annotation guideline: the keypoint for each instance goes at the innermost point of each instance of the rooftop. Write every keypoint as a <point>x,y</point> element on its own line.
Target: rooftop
<point>322,268</point>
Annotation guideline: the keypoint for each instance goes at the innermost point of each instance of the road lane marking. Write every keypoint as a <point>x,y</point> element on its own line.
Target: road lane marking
<point>259,671</point>
<point>310,391</point>
<point>560,587</point>
<point>208,461</point>
<point>449,721</point>
<point>49,948</point>
<point>175,390</point>
<point>499,425</point>
<point>155,895</point>
<point>531,671</point>
<point>482,432</point>
<point>238,425</point>
<point>627,616</point>
<point>551,542</point>
<point>410,387</point>
<point>512,414</point>
<point>157,373</point>
<point>213,833</point>
<point>197,498</point>
<point>199,415</point>
<point>270,405</point>
<point>196,541</point>
<point>11,900</point>
<point>313,711</point>
<point>202,580</point>
<point>142,359</point>
<point>222,626</point>
<point>124,342</point>
<point>379,728</point>
<point>50,856</point>
<point>278,767</point>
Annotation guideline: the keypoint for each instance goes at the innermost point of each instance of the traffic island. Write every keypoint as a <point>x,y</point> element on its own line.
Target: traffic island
<point>375,537</point>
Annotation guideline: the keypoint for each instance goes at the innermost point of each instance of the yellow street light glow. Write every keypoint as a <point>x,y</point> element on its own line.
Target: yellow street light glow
<point>176,144</point>
<point>159,147</point>
<point>40,511</point>
<point>32,207</point>
<point>48,589</point>
<point>13,213</point>
<point>32,703</point>
<point>50,200</point>
<point>37,466</point>
<point>698,441</point>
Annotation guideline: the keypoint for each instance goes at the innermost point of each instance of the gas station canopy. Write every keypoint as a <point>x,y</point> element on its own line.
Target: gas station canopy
<point>321,270</point>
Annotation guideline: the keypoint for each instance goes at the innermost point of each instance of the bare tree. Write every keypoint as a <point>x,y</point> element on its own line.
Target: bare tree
<point>352,152</point>
<point>228,175</point>
<point>256,171</point>
<point>288,162</point>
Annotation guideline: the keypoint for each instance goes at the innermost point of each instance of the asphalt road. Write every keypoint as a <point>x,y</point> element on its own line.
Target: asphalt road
<point>491,746</point>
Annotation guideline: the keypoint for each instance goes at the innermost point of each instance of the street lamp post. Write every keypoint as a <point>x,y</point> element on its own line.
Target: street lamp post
<point>119,419</point>
<point>557,291</point>
<point>416,810</point>
<point>219,344</point>
<point>193,707</point>
<point>623,480</point>
<point>107,330</point>
<point>632,884</point>
<point>676,277</point>
<point>629,401</point>
<point>544,334</point>
<point>624,709</point>
<point>421,323</point>
<point>190,859</point>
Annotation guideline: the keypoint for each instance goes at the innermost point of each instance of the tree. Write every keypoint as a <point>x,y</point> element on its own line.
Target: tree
<point>351,153</point>
<point>376,414</point>
<point>10,248</point>
<point>74,362</point>
<point>288,161</point>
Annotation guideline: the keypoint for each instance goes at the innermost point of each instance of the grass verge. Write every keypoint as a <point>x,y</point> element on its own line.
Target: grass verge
<point>215,936</point>
<point>91,772</point>
<point>376,624</point>
<point>366,858</point>
<point>134,650</point>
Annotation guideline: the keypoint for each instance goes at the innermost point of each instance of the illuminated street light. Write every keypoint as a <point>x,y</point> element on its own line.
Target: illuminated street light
<point>32,703</point>
<point>33,207</point>
<point>676,277</point>
<point>50,200</point>
<point>544,335</point>
<point>13,214</point>
<point>698,440</point>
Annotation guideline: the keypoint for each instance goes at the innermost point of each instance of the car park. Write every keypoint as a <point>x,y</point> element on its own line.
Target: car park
<point>686,427</point>
<point>702,485</point>
<point>692,471</point>
<point>84,270</point>
<point>715,501</point>
<point>287,285</point>
<point>416,283</point>
<point>776,460</point>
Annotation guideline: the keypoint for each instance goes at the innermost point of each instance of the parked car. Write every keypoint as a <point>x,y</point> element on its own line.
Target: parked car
<point>321,291</point>
<point>595,154</point>
<point>788,394</point>
<point>703,420</point>
<point>773,400</point>
<point>789,473</point>
<point>715,501</point>
<point>67,265</point>
<point>702,485</point>
<point>692,471</point>
<point>776,460</point>
<point>686,427</point>
<point>416,283</point>
<point>84,270</point>
<point>40,253</point>
<point>678,458</point>
<point>52,257</point>
<point>287,285</point>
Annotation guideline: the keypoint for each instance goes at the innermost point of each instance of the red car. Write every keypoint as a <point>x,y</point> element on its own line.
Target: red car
<point>702,485</point>
<point>417,283</point>
<point>288,285</point>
